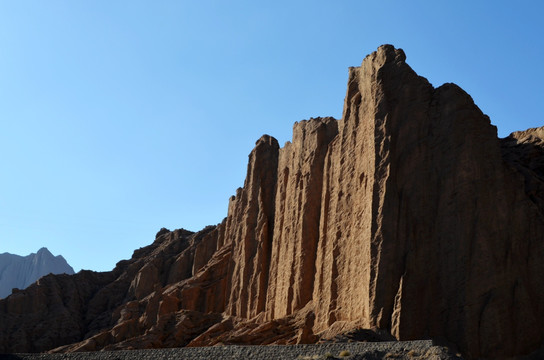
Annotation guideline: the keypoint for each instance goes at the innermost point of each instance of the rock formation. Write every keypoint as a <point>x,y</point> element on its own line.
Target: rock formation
<point>408,217</point>
<point>17,272</point>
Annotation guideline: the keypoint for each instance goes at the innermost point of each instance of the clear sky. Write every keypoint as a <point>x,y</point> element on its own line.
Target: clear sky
<point>120,117</point>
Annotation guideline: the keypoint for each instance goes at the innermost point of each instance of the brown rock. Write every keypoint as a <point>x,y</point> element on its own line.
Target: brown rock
<point>407,218</point>
<point>297,215</point>
<point>207,246</point>
<point>49,313</point>
<point>145,281</point>
<point>249,227</point>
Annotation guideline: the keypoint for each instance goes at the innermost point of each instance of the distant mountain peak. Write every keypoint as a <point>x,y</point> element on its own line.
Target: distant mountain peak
<point>44,250</point>
<point>20,271</point>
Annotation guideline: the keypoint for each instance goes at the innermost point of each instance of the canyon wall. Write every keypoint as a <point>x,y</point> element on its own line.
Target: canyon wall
<point>408,216</point>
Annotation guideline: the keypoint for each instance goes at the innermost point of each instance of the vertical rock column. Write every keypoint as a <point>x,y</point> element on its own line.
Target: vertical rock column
<point>425,229</point>
<point>298,211</point>
<point>350,249</point>
<point>448,256</point>
<point>249,226</point>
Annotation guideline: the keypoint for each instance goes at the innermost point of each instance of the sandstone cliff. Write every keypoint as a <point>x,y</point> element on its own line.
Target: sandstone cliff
<point>408,216</point>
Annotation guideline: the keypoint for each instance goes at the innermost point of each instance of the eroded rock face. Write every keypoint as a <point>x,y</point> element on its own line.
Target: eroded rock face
<point>426,230</point>
<point>297,216</point>
<point>408,218</point>
<point>249,227</point>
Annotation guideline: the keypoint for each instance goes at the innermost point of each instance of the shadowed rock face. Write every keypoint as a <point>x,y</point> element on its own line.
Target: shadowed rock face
<point>408,216</point>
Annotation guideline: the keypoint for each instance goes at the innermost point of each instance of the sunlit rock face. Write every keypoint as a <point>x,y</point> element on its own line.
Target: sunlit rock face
<point>408,217</point>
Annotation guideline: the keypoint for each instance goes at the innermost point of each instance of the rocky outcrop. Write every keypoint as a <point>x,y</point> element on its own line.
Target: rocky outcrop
<point>426,230</point>
<point>54,311</point>
<point>297,216</point>
<point>407,218</point>
<point>249,228</point>
<point>17,272</point>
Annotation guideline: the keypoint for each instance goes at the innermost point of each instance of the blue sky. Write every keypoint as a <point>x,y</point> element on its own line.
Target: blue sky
<point>118,118</point>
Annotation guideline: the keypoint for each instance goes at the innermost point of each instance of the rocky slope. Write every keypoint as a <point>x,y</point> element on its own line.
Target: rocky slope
<point>408,217</point>
<point>17,272</point>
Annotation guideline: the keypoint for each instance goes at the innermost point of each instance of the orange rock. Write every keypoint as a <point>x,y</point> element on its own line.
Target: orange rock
<point>297,216</point>
<point>249,227</point>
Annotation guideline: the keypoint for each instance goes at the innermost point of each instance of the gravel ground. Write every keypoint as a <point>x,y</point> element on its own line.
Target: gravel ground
<point>409,350</point>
